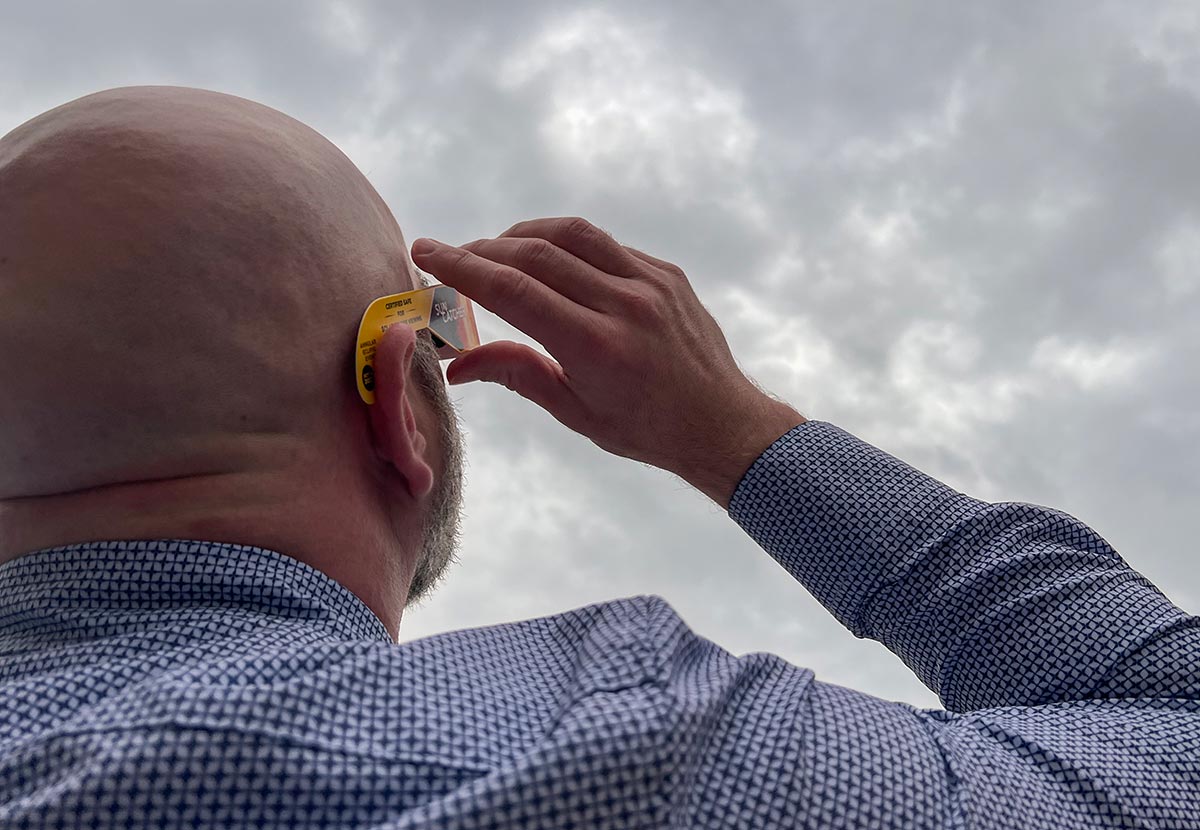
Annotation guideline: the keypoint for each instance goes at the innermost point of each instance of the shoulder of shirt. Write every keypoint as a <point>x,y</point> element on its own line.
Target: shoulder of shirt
<point>634,611</point>
<point>605,646</point>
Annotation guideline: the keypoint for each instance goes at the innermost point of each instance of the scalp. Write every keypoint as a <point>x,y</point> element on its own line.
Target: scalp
<point>177,266</point>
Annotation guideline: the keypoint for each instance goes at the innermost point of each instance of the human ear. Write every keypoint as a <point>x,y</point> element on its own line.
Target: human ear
<point>395,432</point>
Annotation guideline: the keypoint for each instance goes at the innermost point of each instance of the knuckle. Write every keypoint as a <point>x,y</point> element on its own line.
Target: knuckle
<point>599,341</point>
<point>576,227</point>
<point>669,290</point>
<point>457,255</point>
<point>663,270</point>
<point>663,280</point>
<point>638,303</point>
<point>516,229</point>
<point>534,252</point>
<point>507,285</point>
<point>627,294</point>
<point>674,270</point>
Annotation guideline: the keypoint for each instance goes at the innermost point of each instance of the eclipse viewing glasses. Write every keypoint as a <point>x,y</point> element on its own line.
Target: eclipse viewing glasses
<point>448,315</point>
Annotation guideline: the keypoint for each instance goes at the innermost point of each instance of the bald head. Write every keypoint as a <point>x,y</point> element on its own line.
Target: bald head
<point>181,276</point>
<point>161,249</point>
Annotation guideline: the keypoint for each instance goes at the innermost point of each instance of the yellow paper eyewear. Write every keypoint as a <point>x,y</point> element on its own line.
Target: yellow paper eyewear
<point>448,315</point>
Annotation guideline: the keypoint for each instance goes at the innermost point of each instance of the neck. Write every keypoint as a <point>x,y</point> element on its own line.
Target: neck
<point>289,511</point>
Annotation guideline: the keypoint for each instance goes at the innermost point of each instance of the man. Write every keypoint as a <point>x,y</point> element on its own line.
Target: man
<point>208,539</point>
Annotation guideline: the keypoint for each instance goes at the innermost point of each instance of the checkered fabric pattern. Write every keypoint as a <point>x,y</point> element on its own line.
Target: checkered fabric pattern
<point>184,684</point>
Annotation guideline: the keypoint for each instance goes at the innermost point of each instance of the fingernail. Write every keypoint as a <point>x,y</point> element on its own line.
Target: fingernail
<point>424,247</point>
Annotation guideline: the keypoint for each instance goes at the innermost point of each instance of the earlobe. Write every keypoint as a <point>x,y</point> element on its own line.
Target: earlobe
<point>397,435</point>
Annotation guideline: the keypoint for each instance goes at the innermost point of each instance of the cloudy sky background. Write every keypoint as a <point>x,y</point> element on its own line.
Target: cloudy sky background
<point>968,233</point>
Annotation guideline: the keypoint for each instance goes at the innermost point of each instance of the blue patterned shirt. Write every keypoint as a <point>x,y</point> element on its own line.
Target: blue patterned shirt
<point>175,683</point>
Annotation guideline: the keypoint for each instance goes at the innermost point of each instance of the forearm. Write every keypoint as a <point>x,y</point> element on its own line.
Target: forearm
<point>990,604</point>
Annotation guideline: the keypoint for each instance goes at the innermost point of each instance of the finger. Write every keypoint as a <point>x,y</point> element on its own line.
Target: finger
<point>523,370</point>
<point>515,366</point>
<point>581,238</point>
<point>545,315</point>
<point>559,270</point>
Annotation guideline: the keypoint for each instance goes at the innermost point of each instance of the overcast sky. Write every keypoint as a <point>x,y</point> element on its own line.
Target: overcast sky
<point>968,233</point>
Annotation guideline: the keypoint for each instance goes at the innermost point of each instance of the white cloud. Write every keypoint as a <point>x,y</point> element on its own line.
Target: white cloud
<point>1168,34</point>
<point>932,368</point>
<point>1054,207</point>
<point>924,132</point>
<point>344,26</point>
<point>624,112</point>
<point>886,231</point>
<point>387,152</point>
<point>1092,366</point>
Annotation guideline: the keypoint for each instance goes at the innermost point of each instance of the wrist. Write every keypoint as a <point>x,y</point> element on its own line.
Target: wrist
<point>748,437</point>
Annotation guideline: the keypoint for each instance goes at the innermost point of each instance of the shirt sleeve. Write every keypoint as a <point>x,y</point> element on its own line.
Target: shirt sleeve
<point>1005,604</point>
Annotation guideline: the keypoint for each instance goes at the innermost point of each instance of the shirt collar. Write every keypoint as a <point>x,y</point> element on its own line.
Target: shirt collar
<point>55,592</point>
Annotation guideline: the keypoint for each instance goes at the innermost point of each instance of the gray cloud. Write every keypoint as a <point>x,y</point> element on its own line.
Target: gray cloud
<point>967,233</point>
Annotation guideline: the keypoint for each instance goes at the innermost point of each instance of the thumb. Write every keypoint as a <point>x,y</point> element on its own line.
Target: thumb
<point>520,368</point>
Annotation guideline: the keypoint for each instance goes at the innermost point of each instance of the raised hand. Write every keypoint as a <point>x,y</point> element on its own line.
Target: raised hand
<point>643,370</point>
